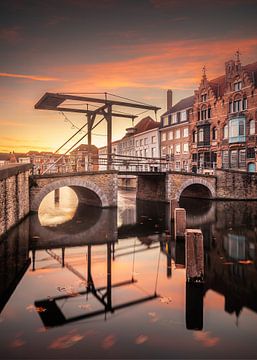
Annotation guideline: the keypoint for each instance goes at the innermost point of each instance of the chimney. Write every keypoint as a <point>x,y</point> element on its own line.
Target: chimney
<point>169,99</point>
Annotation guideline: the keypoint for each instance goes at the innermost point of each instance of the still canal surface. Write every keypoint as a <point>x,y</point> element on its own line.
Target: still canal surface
<point>80,282</point>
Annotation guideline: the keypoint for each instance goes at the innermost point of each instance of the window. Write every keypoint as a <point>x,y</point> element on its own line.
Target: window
<point>165,120</point>
<point>230,106</point>
<point>242,158</point>
<point>237,105</point>
<point>153,139</point>
<point>177,134</point>
<point>237,130</point>
<point>145,141</point>
<point>233,159</point>
<point>203,113</point>
<point>244,103</point>
<point>185,132</point>
<point>237,85</point>
<point>252,127</point>
<point>194,136</point>
<point>185,148</point>
<point>200,135</point>
<point>173,118</point>
<point>177,165</point>
<point>170,135</point>
<point>214,133</point>
<point>225,159</point>
<point>204,97</point>
<point>171,149</point>
<point>225,132</point>
<point>163,136</point>
<point>183,115</point>
<point>163,151</point>
<point>177,149</point>
<point>145,154</point>
<point>141,142</point>
<point>250,153</point>
<point>153,152</point>
<point>194,157</point>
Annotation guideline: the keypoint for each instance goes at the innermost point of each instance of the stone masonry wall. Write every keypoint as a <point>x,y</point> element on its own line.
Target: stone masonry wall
<point>151,187</point>
<point>236,185</point>
<point>14,195</point>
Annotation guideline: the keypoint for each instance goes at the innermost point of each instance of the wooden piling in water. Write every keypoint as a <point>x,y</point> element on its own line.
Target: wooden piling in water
<point>173,205</point>
<point>194,255</point>
<point>179,223</point>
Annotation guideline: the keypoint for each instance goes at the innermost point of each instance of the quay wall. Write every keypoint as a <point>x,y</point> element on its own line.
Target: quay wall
<point>14,195</point>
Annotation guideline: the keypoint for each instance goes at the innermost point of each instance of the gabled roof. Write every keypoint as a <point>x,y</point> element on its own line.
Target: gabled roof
<point>219,84</point>
<point>181,105</point>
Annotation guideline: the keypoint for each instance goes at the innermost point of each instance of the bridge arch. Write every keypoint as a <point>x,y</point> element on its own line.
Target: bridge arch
<point>86,190</point>
<point>203,184</point>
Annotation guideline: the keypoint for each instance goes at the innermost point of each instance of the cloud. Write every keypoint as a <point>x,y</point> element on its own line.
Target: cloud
<point>174,64</point>
<point>11,34</point>
<point>29,77</point>
<point>9,123</point>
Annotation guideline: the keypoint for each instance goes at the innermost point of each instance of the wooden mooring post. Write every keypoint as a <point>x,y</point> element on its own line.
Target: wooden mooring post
<point>179,223</point>
<point>194,255</point>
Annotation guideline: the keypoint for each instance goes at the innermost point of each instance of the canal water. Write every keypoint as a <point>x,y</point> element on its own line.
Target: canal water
<point>79,282</point>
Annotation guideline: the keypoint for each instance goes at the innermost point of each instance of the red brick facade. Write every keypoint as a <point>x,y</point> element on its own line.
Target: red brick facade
<point>223,125</point>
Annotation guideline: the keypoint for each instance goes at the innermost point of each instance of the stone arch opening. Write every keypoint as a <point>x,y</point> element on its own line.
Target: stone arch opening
<point>86,191</point>
<point>196,190</point>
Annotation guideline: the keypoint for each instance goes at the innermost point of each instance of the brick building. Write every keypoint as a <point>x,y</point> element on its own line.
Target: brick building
<point>174,132</point>
<point>223,123</point>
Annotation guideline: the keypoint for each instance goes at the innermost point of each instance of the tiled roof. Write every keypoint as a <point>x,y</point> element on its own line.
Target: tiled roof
<point>143,125</point>
<point>181,105</point>
<point>85,147</point>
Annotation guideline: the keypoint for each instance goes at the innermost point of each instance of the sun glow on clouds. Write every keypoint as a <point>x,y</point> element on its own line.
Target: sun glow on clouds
<point>30,77</point>
<point>175,65</point>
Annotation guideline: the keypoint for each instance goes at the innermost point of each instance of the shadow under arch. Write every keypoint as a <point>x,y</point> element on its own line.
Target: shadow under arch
<point>99,227</point>
<point>198,190</point>
<point>86,191</point>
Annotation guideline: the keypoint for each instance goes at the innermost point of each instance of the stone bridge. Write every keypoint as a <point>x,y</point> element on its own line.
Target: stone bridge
<point>224,185</point>
<point>93,188</point>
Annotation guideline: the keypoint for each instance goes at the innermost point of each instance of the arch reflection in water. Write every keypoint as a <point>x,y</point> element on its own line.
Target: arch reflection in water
<point>58,207</point>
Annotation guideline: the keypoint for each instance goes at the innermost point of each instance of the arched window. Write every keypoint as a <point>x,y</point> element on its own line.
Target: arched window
<point>252,127</point>
<point>244,103</point>
<point>225,132</point>
<point>230,106</point>
<point>214,133</point>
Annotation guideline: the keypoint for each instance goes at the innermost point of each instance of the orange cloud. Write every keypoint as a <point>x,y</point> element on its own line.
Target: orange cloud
<point>11,34</point>
<point>30,77</point>
<point>175,64</point>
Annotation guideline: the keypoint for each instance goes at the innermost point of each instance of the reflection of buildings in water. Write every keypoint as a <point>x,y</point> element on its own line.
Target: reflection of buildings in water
<point>14,260</point>
<point>128,216</point>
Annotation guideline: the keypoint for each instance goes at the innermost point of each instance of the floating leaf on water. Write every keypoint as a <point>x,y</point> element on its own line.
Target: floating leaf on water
<point>150,219</point>
<point>109,341</point>
<point>165,300</point>
<point>141,339</point>
<point>35,237</point>
<point>228,263</point>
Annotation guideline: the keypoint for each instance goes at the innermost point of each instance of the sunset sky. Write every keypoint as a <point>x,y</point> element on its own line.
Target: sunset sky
<point>133,48</point>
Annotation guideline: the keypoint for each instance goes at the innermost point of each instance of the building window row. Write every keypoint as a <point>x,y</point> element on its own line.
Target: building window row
<point>174,134</point>
<point>175,118</point>
<point>238,105</point>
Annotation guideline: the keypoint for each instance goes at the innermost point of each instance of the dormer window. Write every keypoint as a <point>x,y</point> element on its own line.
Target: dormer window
<point>237,85</point>
<point>204,97</point>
